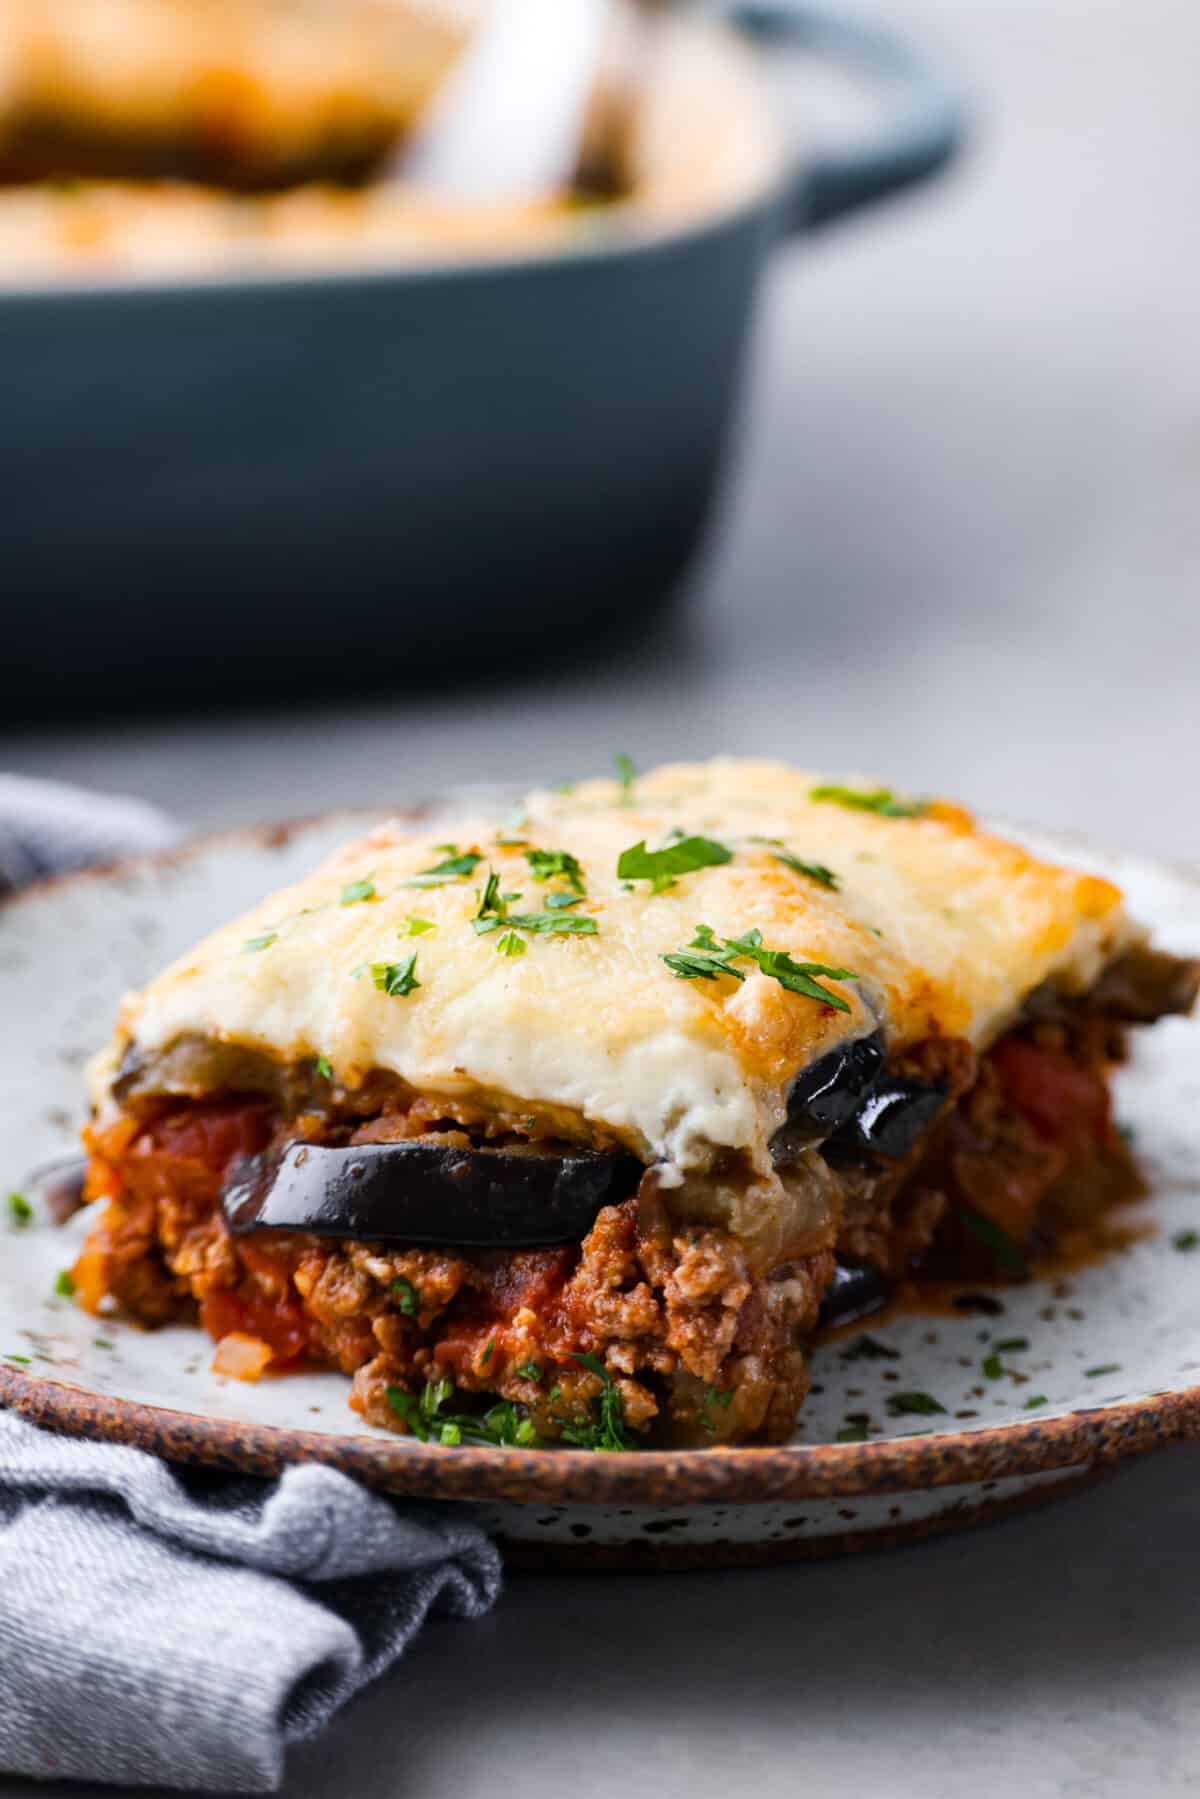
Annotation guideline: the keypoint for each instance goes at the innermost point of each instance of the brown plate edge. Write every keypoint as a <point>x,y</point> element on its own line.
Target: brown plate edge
<point>744,1476</point>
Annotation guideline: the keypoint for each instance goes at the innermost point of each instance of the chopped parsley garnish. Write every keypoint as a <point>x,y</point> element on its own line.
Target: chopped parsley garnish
<point>1005,1253</point>
<point>362,889</point>
<point>487,1353</point>
<point>1184,1240</point>
<point>397,979</point>
<point>1035,1399</point>
<point>64,1286</point>
<point>880,800</point>
<point>505,1424</point>
<point>626,776</point>
<point>1010,1345</point>
<point>608,1434</point>
<point>528,1371</point>
<point>563,901</point>
<point>492,903</point>
<point>511,945</point>
<point>103,1343</point>
<point>556,865</point>
<point>901,1404</point>
<point>19,1210</point>
<point>705,959</point>
<point>870,1349</point>
<point>815,871</point>
<point>493,914</point>
<point>855,1430</point>
<point>416,927</point>
<point>408,1300</point>
<point>1104,1368</point>
<point>993,1367</point>
<point>456,867</point>
<point>714,1396</point>
<point>663,867</point>
<point>264,941</point>
<point>10,1355</point>
<point>325,1068</point>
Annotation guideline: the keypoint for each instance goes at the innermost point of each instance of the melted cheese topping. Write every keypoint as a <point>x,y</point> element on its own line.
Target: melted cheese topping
<point>946,928</point>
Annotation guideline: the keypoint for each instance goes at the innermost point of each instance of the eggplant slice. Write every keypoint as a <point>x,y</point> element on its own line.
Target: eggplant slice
<point>856,1290</point>
<point>848,1101</point>
<point>429,1192</point>
<point>831,1091</point>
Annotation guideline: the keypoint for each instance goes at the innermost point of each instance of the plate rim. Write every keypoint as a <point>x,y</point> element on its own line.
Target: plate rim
<point>749,1474</point>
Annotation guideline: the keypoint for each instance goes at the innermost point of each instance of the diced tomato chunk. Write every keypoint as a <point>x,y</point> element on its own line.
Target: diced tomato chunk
<point>1066,1104</point>
<point>279,1322</point>
<point>215,1133</point>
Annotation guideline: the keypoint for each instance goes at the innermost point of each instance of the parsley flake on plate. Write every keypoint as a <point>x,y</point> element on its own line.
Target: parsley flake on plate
<point>902,1404</point>
<point>1186,1240</point>
<point>64,1286</point>
<point>662,868</point>
<point>705,959</point>
<point>880,800</point>
<point>19,1210</point>
<point>855,1430</point>
<point>324,1068</point>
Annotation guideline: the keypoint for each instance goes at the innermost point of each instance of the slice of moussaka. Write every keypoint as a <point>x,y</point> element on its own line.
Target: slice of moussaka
<point>560,1130</point>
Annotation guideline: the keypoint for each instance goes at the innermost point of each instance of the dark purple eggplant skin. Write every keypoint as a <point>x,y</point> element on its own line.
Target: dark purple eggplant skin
<point>833,1088</point>
<point>847,1099</point>
<point>422,1192</point>
<point>856,1290</point>
<point>891,1121</point>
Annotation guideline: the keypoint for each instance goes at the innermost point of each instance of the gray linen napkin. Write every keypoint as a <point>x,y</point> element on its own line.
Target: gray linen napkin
<point>165,1627</point>
<point>47,828</point>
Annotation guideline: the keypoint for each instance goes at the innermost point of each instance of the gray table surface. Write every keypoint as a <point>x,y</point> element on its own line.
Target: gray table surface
<point>961,549</point>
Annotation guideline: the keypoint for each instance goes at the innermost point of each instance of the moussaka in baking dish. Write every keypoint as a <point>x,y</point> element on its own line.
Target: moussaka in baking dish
<point>560,1129</point>
<point>153,139</point>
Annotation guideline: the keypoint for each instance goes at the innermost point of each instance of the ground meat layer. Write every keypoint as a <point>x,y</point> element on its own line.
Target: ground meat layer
<point>696,1344</point>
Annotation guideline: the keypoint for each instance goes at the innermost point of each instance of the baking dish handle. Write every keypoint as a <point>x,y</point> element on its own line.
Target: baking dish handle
<point>926,129</point>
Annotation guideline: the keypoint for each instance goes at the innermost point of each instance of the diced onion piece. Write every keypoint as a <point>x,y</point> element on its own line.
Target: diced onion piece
<point>241,1356</point>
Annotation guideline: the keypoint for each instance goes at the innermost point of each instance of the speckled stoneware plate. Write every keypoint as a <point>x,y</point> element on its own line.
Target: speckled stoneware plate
<point>1071,1375</point>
